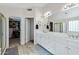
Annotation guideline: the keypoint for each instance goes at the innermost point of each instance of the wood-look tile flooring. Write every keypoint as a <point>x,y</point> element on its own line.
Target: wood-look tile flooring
<point>29,49</point>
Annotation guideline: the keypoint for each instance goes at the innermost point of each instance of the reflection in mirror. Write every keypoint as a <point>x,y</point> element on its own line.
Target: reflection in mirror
<point>70,25</point>
<point>51,26</point>
<point>74,26</point>
<point>47,26</point>
<point>58,27</point>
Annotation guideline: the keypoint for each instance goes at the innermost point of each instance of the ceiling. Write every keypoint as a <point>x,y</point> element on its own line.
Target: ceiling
<point>54,7</point>
<point>24,5</point>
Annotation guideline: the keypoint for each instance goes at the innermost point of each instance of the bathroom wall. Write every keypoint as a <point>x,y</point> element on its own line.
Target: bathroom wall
<point>38,20</point>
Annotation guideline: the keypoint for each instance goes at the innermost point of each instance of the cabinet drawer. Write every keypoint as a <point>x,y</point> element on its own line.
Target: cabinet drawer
<point>73,50</point>
<point>61,49</point>
<point>74,44</point>
<point>65,44</point>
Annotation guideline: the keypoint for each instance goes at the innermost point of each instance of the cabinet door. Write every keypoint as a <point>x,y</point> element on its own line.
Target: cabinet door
<point>73,50</point>
<point>61,49</point>
<point>41,39</point>
<point>51,47</point>
<point>49,44</point>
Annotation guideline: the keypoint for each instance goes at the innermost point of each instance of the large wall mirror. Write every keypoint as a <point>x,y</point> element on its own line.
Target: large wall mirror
<point>69,25</point>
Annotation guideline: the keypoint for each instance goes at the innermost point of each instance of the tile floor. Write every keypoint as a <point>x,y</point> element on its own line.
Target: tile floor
<point>29,49</point>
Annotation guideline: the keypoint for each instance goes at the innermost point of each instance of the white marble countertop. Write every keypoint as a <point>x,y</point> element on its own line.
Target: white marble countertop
<point>61,35</point>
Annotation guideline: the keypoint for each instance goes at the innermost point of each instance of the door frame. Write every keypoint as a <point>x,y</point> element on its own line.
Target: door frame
<point>26,36</point>
<point>22,33</point>
<point>3,41</point>
<point>20,28</point>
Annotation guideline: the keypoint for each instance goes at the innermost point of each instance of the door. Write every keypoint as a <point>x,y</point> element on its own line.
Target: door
<point>73,50</point>
<point>0,35</point>
<point>58,27</point>
<point>61,49</point>
<point>29,29</point>
<point>32,29</point>
<point>27,22</point>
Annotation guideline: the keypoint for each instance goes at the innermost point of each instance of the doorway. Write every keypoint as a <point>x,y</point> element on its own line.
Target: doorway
<point>14,31</point>
<point>29,29</point>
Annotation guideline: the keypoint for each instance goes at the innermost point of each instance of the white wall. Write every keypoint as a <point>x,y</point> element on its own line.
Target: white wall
<point>38,20</point>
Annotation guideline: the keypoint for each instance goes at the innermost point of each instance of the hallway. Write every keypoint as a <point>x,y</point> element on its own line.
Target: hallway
<point>14,42</point>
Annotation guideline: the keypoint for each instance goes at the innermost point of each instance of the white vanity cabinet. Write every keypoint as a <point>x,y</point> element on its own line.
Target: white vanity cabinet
<point>58,43</point>
<point>73,50</point>
<point>61,49</point>
<point>50,44</point>
<point>73,47</point>
<point>61,46</point>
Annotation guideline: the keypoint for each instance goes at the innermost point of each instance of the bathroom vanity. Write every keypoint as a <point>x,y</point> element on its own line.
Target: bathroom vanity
<point>58,43</point>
